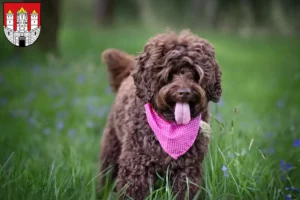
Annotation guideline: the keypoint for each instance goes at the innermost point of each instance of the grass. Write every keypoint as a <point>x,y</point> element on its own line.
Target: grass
<point>52,114</point>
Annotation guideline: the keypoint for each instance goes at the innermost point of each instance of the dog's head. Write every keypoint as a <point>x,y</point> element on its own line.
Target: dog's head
<point>177,69</point>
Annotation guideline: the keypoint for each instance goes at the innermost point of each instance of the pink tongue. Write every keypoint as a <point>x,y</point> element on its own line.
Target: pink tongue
<point>182,113</point>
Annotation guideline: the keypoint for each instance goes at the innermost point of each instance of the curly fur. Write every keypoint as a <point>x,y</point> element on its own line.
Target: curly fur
<point>168,64</point>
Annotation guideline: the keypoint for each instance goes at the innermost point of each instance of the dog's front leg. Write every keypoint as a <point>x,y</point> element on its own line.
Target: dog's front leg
<point>187,182</point>
<point>134,177</point>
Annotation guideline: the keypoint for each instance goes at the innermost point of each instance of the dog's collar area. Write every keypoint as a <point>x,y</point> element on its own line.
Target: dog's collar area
<point>175,139</point>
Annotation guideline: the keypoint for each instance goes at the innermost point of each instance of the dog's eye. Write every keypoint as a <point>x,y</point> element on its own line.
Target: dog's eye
<point>196,77</point>
<point>182,71</point>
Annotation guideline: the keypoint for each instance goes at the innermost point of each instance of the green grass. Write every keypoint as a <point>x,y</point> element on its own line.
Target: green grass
<point>52,115</point>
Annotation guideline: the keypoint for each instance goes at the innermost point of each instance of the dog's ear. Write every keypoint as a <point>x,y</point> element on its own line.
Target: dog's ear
<point>214,88</point>
<point>142,76</point>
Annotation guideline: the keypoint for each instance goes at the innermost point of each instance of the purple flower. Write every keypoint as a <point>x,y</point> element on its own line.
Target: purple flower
<point>60,125</point>
<point>102,111</point>
<point>89,124</point>
<point>47,131</point>
<point>296,143</point>
<point>288,166</point>
<point>271,150</point>
<point>269,134</point>
<point>71,132</point>
<point>36,68</point>
<point>280,103</point>
<point>31,121</point>
<point>288,197</point>
<point>219,117</point>
<point>90,107</point>
<point>295,189</point>
<point>292,189</point>
<point>225,171</point>
<point>285,166</point>
<point>81,79</point>
<point>221,102</point>
<point>108,90</point>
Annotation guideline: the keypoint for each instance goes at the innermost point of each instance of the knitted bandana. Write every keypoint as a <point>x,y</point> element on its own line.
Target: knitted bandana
<point>175,138</point>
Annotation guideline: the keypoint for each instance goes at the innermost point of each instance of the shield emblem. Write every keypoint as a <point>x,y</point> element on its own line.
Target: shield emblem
<point>22,22</point>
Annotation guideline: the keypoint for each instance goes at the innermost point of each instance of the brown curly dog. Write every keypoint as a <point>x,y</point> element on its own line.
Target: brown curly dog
<point>169,64</point>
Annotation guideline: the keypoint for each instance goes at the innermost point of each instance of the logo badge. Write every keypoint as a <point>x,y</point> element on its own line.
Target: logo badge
<point>22,22</point>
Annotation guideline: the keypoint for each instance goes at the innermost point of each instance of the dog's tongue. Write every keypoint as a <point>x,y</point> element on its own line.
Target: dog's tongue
<point>182,113</point>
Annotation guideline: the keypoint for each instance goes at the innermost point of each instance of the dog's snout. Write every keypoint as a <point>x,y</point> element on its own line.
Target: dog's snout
<point>184,92</point>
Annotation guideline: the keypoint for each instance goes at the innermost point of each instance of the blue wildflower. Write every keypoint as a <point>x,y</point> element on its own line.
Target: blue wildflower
<point>288,197</point>
<point>280,103</point>
<point>81,79</point>
<point>221,102</point>
<point>219,117</point>
<point>225,171</point>
<point>296,143</point>
<point>31,121</point>
<point>102,111</point>
<point>271,150</point>
<point>90,124</point>
<point>108,90</point>
<point>288,166</point>
<point>292,189</point>
<point>47,131</point>
<point>285,166</point>
<point>269,134</point>
<point>60,125</point>
<point>90,107</point>
<point>36,69</point>
<point>295,189</point>
<point>71,132</point>
<point>265,151</point>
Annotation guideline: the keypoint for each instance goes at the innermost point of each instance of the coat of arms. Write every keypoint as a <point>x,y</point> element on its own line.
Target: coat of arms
<point>22,22</point>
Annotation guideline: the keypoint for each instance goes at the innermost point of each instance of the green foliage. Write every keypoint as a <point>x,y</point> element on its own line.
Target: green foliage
<point>52,114</point>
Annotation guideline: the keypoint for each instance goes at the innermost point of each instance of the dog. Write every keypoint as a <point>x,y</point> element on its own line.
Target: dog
<point>174,72</point>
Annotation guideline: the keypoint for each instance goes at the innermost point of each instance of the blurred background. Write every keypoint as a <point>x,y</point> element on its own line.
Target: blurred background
<point>54,95</point>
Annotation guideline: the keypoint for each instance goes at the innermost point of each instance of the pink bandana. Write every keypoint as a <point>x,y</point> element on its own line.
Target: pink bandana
<point>175,138</point>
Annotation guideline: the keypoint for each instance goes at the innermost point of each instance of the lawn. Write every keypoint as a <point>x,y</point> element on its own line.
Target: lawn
<point>52,113</point>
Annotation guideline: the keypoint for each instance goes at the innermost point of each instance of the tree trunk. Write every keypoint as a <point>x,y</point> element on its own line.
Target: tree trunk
<point>50,22</point>
<point>104,11</point>
<point>279,18</point>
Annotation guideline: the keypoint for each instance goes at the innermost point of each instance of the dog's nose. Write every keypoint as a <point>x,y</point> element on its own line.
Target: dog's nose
<point>184,92</point>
